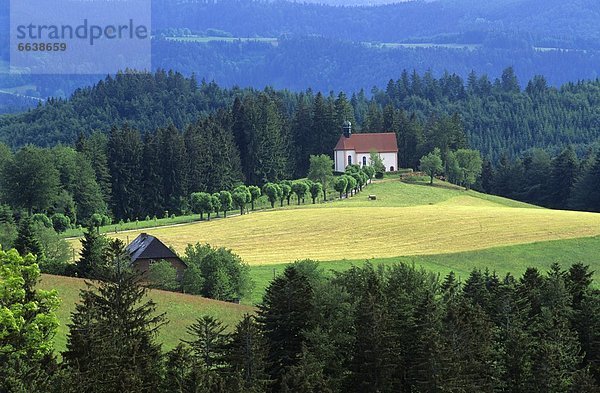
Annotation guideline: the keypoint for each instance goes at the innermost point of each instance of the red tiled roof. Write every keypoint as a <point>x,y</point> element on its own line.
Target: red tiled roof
<point>364,143</point>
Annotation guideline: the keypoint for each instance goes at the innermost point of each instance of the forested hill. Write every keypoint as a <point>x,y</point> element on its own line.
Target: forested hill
<point>293,45</point>
<point>550,23</point>
<point>498,117</point>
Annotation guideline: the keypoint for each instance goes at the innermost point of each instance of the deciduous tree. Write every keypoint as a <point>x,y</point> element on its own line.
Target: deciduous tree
<point>432,164</point>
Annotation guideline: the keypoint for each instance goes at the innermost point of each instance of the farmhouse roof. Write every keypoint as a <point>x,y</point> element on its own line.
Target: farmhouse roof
<point>364,143</point>
<point>149,247</point>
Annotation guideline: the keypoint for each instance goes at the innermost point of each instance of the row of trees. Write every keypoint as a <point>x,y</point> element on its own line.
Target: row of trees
<point>363,330</point>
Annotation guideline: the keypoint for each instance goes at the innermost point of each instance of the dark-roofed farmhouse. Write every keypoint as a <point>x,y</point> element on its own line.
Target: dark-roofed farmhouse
<point>146,249</point>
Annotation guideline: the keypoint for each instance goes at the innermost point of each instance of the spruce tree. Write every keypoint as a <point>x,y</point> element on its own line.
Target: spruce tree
<point>152,196</point>
<point>371,364</point>
<point>172,167</point>
<point>586,314</point>
<point>425,370</point>
<point>92,256</point>
<point>468,361</point>
<point>585,194</point>
<point>184,372</point>
<point>209,341</point>
<point>246,356</point>
<point>514,341</point>
<point>563,176</point>
<point>556,350</point>
<point>283,316</point>
<point>125,164</point>
<point>26,241</point>
<point>111,344</point>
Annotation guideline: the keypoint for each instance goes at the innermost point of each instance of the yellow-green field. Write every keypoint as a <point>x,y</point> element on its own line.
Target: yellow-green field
<point>441,228</point>
<point>181,310</point>
<point>406,220</point>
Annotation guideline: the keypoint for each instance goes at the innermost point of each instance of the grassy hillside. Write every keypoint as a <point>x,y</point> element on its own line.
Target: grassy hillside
<point>405,220</point>
<point>181,310</point>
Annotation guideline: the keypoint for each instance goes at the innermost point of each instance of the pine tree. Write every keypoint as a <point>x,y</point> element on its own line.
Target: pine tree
<point>27,242</point>
<point>556,351</point>
<point>94,149</point>
<point>487,177</point>
<point>111,341</point>
<point>246,356</point>
<point>585,194</point>
<point>283,316</point>
<point>209,341</point>
<point>172,167</point>
<point>468,356</point>
<point>152,196</point>
<point>374,120</point>
<point>371,364</point>
<point>324,130</point>
<point>267,159</point>
<point>515,343</point>
<point>563,176</point>
<point>239,128</point>
<point>92,257</point>
<point>426,366</point>
<point>585,319</point>
<point>226,165</point>
<point>124,157</point>
<point>186,373</point>
<point>302,135</point>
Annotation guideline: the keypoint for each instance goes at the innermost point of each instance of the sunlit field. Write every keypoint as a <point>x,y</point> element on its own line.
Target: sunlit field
<point>181,310</point>
<point>405,220</point>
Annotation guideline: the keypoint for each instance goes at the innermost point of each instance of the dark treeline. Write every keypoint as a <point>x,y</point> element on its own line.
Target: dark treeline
<point>321,46</point>
<point>328,64</point>
<point>393,329</point>
<point>144,142</point>
<point>497,116</point>
<point>561,182</point>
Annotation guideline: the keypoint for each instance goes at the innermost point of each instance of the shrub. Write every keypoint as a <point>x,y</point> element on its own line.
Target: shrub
<point>226,202</point>
<point>225,276</point>
<point>163,275</point>
<point>300,188</point>
<point>273,192</point>
<point>96,220</point>
<point>106,220</point>
<point>40,218</point>
<point>60,222</point>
